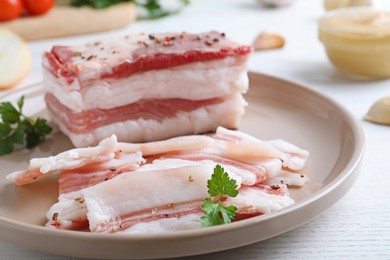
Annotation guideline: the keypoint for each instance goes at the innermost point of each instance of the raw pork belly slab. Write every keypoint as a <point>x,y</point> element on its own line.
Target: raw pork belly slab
<point>146,87</point>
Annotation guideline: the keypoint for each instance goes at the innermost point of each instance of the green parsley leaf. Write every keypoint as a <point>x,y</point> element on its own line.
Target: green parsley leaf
<point>217,214</point>
<point>219,185</point>
<point>17,128</point>
<point>8,113</point>
<point>21,103</point>
<point>5,130</point>
<point>212,217</point>
<point>17,136</point>
<point>6,147</point>
<point>153,7</point>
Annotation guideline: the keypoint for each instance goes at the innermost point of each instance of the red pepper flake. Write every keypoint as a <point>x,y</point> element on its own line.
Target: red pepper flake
<point>106,179</point>
<point>215,40</point>
<point>113,169</point>
<point>275,187</point>
<point>55,216</point>
<point>152,37</point>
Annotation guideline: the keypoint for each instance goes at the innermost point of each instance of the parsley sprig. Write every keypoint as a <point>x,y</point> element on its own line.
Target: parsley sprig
<point>16,128</point>
<point>153,7</point>
<point>219,186</point>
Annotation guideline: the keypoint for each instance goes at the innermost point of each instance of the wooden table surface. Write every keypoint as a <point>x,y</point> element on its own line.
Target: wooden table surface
<point>358,226</point>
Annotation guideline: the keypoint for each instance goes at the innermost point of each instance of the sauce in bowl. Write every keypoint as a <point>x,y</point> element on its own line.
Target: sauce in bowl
<point>357,41</point>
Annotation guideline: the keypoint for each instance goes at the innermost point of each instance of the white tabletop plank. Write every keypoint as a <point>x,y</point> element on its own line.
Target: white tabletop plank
<point>358,226</point>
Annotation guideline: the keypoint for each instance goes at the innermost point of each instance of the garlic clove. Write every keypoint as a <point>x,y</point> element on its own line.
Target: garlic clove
<point>275,3</point>
<point>379,112</point>
<point>268,40</point>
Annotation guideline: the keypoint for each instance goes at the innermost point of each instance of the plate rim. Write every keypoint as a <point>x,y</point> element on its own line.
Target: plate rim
<point>351,167</point>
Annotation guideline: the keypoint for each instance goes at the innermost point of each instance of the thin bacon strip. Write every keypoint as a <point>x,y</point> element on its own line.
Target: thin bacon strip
<point>72,159</point>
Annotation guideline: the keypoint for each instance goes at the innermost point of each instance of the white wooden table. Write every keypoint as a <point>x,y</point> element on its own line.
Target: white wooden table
<point>358,226</point>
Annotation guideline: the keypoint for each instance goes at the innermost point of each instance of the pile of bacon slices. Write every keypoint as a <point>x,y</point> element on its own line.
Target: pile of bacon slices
<point>160,186</point>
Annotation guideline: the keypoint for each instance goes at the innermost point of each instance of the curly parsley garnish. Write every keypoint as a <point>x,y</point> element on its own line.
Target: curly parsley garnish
<point>219,186</point>
<point>17,128</point>
<point>154,8</point>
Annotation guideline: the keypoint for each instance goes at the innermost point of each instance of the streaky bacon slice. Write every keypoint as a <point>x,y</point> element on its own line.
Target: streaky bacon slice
<point>72,159</point>
<point>292,156</point>
<point>175,186</point>
<point>70,210</point>
<point>90,175</point>
<point>260,199</point>
<point>228,144</point>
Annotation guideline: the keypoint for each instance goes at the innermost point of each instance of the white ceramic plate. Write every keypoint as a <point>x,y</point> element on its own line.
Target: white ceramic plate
<point>277,109</point>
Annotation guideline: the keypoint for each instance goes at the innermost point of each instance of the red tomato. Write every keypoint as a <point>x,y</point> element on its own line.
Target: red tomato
<point>10,9</point>
<point>37,7</point>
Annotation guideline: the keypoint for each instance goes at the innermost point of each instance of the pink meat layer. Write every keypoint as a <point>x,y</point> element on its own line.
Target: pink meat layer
<point>139,53</point>
<point>90,175</point>
<point>151,109</point>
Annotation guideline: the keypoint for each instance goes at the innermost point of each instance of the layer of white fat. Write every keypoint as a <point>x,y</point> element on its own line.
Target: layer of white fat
<point>71,159</point>
<point>242,176</point>
<point>186,222</point>
<point>69,207</point>
<point>252,200</point>
<point>197,81</point>
<point>294,157</point>
<point>288,178</point>
<point>145,190</point>
<point>273,166</point>
<point>202,120</point>
<point>180,143</point>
